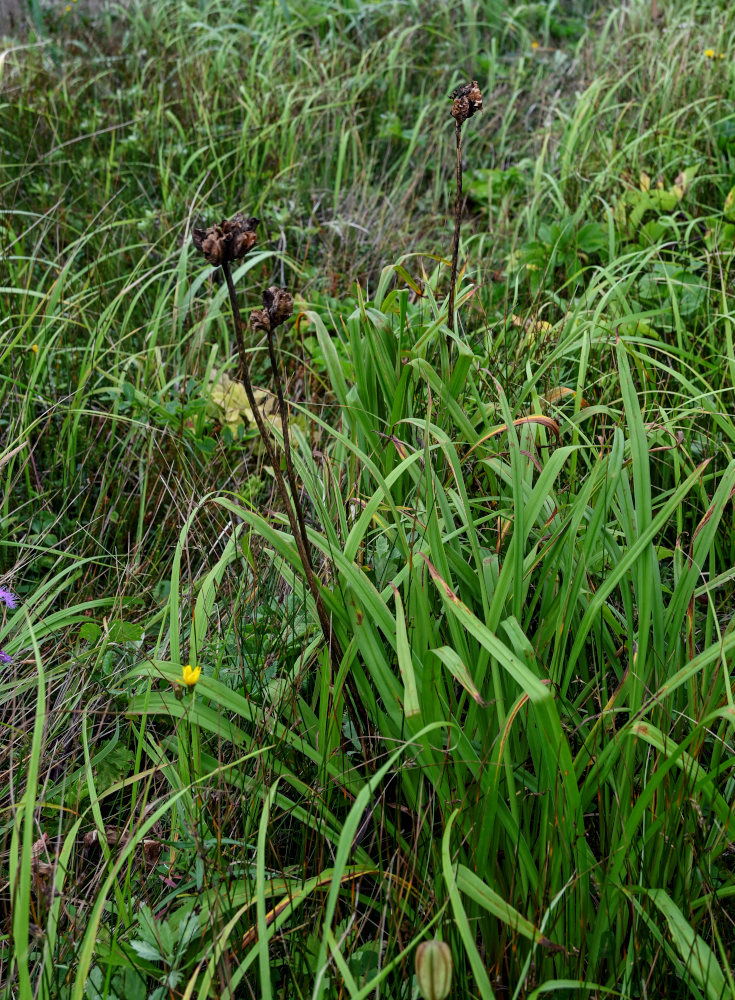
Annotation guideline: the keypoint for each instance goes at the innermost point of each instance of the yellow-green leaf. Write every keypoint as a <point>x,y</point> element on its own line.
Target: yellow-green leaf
<point>729,208</point>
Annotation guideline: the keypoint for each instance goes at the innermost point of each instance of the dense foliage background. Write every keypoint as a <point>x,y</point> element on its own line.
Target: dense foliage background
<point>524,532</point>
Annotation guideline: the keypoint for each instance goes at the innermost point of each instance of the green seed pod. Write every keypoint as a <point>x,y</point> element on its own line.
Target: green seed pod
<point>434,969</point>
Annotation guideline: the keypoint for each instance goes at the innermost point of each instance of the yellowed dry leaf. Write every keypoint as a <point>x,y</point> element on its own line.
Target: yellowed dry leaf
<point>230,401</point>
<point>531,324</point>
<point>559,392</point>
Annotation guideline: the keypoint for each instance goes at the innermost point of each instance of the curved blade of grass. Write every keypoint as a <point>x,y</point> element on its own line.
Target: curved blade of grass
<point>518,670</point>
<point>86,951</point>
<point>460,917</point>
<point>573,984</point>
<point>453,662</point>
<point>351,824</point>
<point>625,565</point>
<point>486,897</point>
<point>698,957</point>
<point>20,862</point>
<point>260,893</point>
<point>411,704</point>
<point>699,776</point>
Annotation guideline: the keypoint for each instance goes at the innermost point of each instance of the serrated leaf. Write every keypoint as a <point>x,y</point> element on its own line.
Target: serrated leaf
<point>120,631</point>
<point>90,632</point>
<point>146,951</point>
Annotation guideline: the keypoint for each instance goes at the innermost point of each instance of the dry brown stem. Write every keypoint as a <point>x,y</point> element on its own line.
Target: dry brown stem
<point>221,245</point>
<point>467,102</point>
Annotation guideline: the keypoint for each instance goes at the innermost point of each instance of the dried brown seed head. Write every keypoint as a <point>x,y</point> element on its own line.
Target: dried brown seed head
<point>260,321</point>
<point>279,303</point>
<point>228,241</point>
<point>467,101</point>
<point>277,308</point>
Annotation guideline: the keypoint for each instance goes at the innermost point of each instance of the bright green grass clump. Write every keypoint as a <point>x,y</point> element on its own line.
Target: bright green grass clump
<point>523,531</point>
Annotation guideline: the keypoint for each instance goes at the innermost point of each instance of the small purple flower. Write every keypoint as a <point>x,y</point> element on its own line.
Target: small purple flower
<point>4,658</point>
<point>8,597</point>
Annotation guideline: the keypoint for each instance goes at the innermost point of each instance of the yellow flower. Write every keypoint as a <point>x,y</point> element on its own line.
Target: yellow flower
<point>534,45</point>
<point>709,53</point>
<point>191,675</point>
<point>34,348</point>
<point>67,8</point>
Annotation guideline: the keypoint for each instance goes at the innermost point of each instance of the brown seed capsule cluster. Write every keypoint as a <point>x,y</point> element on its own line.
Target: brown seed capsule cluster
<point>467,101</point>
<point>277,308</point>
<point>228,241</point>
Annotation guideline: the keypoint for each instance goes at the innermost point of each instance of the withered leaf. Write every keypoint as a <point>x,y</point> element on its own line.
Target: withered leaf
<point>152,852</point>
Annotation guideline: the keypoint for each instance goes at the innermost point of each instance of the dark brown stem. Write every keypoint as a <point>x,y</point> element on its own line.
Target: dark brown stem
<point>275,460</point>
<point>457,224</point>
<point>332,642</point>
<point>239,337</point>
<point>283,409</point>
<point>309,566</point>
<point>298,528</point>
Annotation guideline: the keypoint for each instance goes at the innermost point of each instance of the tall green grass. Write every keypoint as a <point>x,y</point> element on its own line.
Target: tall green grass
<point>523,534</point>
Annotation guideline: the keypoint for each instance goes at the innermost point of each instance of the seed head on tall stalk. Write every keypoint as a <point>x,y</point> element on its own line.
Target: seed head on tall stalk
<point>467,100</point>
<point>221,245</point>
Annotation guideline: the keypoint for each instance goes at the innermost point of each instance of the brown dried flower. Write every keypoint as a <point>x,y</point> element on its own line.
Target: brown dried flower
<point>228,241</point>
<point>467,101</point>
<point>277,308</point>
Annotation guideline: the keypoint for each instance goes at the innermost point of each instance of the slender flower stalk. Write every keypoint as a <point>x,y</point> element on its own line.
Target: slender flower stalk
<point>10,600</point>
<point>467,101</point>
<point>275,462</point>
<point>221,245</point>
<point>278,306</point>
<point>187,733</point>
